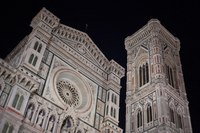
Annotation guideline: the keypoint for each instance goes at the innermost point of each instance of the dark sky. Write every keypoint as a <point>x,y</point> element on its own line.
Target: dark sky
<point>109,23</point>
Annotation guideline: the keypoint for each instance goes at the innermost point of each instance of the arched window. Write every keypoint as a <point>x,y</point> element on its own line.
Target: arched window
<point>21,99</point>
<point>36,45</point>
<point>17,102</point>
<point>31,59</point>
<point>149,113</point>
<point>10,129</point>
<point>107,110</point>
<point>39,49</point>
<point>171,115</point>
<point>115,99</point>
<point>139,118</point>
<point>114,113</point>
<point>170,75</point>
<point>111,111</point>
<point>7,128</point>
<point>112,97</point>
<point>179,121</point>
<point>35,60</point>
<point>108,96</point>
<point>143,74</point>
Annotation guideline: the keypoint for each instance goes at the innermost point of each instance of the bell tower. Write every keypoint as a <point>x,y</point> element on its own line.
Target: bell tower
<point>156,98</point>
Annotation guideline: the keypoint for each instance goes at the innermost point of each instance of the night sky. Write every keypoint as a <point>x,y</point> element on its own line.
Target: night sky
<point>108,24</point>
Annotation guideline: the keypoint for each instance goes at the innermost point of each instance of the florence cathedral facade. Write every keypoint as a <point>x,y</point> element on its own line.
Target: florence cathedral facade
<point>56,80</point>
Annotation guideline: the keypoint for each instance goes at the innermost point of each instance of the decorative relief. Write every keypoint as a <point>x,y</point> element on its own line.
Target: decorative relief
<point>81,48</point>
<point>100,107</point>
<point>2,85</point>
<point>57,63</point>
<point>43,70</point>
<point>104,95</point>
<point>49,58</point>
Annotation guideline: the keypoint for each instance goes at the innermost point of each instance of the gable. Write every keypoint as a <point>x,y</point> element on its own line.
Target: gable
<point>83,44</point>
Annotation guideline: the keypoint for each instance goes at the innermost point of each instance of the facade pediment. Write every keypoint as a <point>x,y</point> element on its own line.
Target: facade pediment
<point>82,43</point>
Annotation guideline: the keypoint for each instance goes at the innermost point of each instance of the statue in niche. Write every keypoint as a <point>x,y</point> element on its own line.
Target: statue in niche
<point>68,126</point>
<point>51,123</point>
<point>40,118</point>
<point>29,112</point>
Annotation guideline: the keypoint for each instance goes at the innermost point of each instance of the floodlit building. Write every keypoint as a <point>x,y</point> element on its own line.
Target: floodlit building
<point>156,100</point>
<point>56,80</point>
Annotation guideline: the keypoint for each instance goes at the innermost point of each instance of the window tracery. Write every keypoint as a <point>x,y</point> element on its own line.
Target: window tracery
<point>17,102</point>
<point>139,118</point>
<point>143,74</point>
<point>68,93</point>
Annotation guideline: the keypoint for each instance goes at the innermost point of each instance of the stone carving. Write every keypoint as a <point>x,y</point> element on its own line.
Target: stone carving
<point>51,123</point>
<point>29,112</point>
<point>40,119</point>
<point>43,70</point>
<point>68,93</point>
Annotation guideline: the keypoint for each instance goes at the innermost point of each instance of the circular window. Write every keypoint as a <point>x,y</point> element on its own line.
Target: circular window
<point>68,93</point>
<point>72,90</point>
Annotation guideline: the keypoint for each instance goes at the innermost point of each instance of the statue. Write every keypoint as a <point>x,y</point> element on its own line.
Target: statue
<point>40,119</point>
<point>29,112</point>
<point>68,127</point>
<point>51,123</point>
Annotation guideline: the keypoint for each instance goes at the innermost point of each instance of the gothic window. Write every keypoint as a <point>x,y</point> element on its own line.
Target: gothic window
<point>170,75</point>
<point>149,113</point>
<point>139,118</point>
<point>108,96</point>
<point>143,74</point>
<point>17,102</point>
<point>171,115</point>
<point>107,110</point>
<point>33,59</point>
<point>111,112</point>
<point>114,113</point>
<point>112,97</point>
<point>21,99</point>
<point>7,128</point>
<point>115,99</point>
<point>179,121</point>
<point>37,47</point>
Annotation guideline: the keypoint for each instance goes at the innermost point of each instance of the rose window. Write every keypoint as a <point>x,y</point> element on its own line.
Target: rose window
<point>68,93</point>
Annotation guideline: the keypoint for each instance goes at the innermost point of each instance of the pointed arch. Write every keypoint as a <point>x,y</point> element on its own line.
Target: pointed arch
<point>31,59</point>
<point>149,113</point>
<point>39,48</point>
<point>14,104</point>
<point>139,118</point>
<point>20,102</point>
<point>36,45</point>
